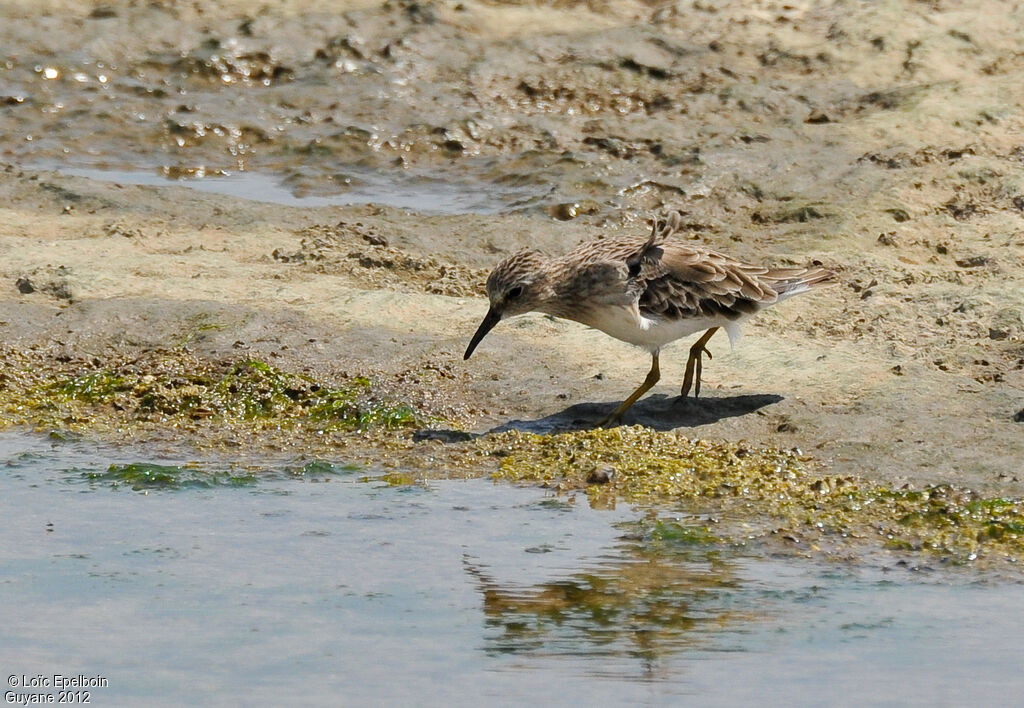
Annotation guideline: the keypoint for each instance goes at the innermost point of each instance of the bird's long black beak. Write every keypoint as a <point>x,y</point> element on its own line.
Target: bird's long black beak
<point>492,318</point>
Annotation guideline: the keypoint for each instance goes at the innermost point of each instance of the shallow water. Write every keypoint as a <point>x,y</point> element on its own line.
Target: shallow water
<point>421,193</point>
<point>323,584</point>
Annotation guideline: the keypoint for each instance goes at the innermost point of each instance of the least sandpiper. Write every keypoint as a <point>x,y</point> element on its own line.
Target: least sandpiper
<point>645,290</point>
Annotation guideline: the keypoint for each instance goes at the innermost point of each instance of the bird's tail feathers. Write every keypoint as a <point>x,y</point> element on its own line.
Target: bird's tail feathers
<point>791,281</point>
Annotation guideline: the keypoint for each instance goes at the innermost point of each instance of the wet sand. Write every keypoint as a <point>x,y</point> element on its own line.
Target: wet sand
<point>883,141</point>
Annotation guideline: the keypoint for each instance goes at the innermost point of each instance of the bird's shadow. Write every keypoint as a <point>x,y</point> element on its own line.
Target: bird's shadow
<point>658,411</point>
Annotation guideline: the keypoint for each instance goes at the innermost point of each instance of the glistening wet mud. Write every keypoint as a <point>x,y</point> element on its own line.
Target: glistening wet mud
<point>882,141</point>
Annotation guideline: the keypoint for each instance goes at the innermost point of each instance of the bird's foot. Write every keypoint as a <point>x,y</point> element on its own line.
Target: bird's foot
<point>694,367</point>
<point>695,363</point>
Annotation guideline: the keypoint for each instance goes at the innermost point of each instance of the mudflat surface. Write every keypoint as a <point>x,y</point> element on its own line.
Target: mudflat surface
<point>883,140</point>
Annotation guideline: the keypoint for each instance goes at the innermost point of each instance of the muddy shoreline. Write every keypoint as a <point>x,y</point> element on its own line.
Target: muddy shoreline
<point>889,151</point>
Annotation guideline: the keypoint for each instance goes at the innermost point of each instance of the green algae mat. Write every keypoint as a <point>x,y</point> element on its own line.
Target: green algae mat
<point>752,492</point>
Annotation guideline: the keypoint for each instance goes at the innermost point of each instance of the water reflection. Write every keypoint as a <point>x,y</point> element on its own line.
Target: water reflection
<point>666,588</point>
<point>472,192</point>
<point>318,582</point>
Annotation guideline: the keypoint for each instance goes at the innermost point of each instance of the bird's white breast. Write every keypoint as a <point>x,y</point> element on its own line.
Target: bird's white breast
<point>628,325</point>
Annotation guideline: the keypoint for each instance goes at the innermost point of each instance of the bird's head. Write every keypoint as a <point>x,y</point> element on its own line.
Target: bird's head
<point>516,285</point>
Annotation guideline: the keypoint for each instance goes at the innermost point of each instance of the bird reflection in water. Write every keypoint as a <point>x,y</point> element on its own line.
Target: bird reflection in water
<point>667,588</point>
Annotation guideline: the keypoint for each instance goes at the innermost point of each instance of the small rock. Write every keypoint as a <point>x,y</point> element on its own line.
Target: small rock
<point>375,240</point>
<point>564,212</point>
<point>972,262</point>
<point>570,210</point>
<point>119,228</point>
<point>279,255</point>
<point>445,436</point>
<point>602,475</point>
<point>25,286</point>
<point>786,427</point>
<point>61,291</point>
<point>818,117</point>
<point>1019,416</point>
<point>888,239</point>
<point>1005,323</point>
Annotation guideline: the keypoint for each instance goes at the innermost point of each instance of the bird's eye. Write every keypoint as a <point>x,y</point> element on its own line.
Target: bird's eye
<point>514,293</point>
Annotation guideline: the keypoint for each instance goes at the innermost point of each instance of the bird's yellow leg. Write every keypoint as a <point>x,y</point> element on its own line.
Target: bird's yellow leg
<point>652,378</point>
<point>694,364</point>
